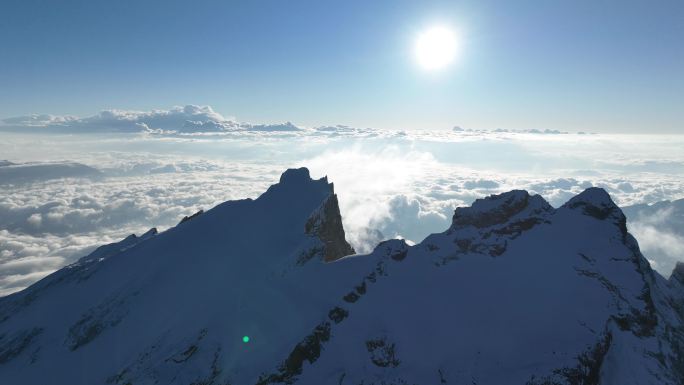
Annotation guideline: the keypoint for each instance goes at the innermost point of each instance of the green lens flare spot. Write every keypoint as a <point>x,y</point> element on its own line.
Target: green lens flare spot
<point>245,339</point>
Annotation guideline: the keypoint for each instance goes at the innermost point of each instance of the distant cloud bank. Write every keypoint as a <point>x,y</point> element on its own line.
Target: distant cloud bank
<point>194,119</point>
<point>187,119</point>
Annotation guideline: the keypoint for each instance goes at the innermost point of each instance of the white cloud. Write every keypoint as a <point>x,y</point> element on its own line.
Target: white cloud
<point>664,247</point>
<point>186,119</point>
<point>366,183</point>
<point>659,229</point>
<point>35,220</point>
<point>390,183</point>
<point>38,120</point>
<point>409,219</point>
<point>194,119</point>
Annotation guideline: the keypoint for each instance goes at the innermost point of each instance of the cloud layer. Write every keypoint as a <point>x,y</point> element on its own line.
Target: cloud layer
<point>61,195</point>
<point>203,120</point>
<point>187,119</point>
<point>659,228</point>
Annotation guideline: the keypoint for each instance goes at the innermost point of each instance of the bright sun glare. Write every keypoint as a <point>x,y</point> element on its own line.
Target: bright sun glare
<point>436,48</point>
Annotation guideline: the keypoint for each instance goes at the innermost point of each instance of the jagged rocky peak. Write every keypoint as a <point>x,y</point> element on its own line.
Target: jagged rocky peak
<point>596,202</point>
<point>678,274</point>
<point>297,184</point>
<point>326,224</point>
<point>497,209</point>
<point>593,201</point>
<point>190,217</point>
<point>149,233</point>
<point>323,222</point>
<point>293,176</point>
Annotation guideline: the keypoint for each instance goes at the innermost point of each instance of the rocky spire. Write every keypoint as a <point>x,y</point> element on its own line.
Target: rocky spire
<point>326,224</point>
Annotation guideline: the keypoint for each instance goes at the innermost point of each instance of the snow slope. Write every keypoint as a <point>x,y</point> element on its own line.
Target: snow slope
<point>514,292</point>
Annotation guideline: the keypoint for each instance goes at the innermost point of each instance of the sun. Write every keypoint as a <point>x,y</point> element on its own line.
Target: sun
<point>436,48</point>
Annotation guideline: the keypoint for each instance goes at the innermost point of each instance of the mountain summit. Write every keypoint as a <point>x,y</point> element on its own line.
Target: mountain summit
<point>264,291</point>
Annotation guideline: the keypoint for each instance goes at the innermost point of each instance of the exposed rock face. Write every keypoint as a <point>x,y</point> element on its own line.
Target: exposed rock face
<point>382,352</point>
<point>678,274</point>
<point>396,249</point>
<point>497,209</point>
<point>195,215</point>
<point>490,223</point>
<point>13,345</point>
<point>326,224</point>
<point>596,203</point>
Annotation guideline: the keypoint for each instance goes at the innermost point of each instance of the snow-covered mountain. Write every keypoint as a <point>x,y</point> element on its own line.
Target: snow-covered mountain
<point>514,292</point>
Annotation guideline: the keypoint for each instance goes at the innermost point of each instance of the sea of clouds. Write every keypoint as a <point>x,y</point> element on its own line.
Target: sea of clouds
<point>70,184</point>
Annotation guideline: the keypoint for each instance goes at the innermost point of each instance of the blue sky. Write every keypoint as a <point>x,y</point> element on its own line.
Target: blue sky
<point>606,66</point>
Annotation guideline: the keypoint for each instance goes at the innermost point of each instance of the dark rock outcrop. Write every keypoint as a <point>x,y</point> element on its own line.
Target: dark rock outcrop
<point>678,274</point>
<point>193,216</point>
<point>595,202</point>
<point>326,224</point>
<point>497,209</point>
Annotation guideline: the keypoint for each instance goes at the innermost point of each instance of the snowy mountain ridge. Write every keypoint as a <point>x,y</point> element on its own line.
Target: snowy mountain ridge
<point>513,292</point>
